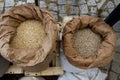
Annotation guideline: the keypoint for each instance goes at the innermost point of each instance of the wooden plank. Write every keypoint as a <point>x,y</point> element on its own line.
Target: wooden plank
<point>48,72</point>
<point>102,4</point>
<point>14,70</point>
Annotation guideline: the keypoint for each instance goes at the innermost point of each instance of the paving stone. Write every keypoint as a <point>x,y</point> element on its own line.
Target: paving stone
<point>74,10</point>
<point>116,67</point>
<point>30,1</point>
<point>104,14</point>
<point>72,2</point>
<point>110,4</point>
<point>81,1</point>
<point>62,1</point>
<point>9,3</point>
<point>19,3</point>
<point>116,27</point>
<point>91,3</point>
<point>113,76</point>
<point>53,6</point>
<point>110,10</point>
<point>42,4</point>
<point>118,43</point>
<point>62,9</point>
<point>93,9</point>
<point>116,2</point>
<point>116,57</point>
<point>84,9</point>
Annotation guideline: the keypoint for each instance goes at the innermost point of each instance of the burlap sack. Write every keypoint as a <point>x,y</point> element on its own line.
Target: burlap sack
<point>106,50</point>
<point>28,58</point>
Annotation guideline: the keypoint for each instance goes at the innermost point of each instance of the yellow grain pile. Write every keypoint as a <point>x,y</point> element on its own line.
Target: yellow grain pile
<point>29,34</point>
<point>86,42</point>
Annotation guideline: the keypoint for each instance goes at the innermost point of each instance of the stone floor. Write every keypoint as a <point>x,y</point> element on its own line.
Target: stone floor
<point>61,8</point>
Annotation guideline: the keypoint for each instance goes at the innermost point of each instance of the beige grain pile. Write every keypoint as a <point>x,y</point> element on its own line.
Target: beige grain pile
<point>29,34</point>
<point>86,42</point>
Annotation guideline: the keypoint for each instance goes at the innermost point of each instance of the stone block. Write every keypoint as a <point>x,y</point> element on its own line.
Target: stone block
<point>93,9</point>
<point>74,10</point>
<point>116,2</point>
<point>118,43</point>
<point>9,3</point>
<point>116,67</point>
<point>42,4</point>
<point>62,1</point>
<point>116,27</point>
<point>110,10</point>
<point>62,9</point>
<point>113,76</point>
<point>81,1</point>
<point>84,9</point>
<point>104,14</point>
<point>116,57</point>
<point>19,3</point>
<point>53,6</point>
<point>110,4</point>
<point>30,1</point>
<point>71,2</point>
<point>91,3</point>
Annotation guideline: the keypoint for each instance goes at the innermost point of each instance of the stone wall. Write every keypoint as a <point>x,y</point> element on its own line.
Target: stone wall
<point>61,8</point>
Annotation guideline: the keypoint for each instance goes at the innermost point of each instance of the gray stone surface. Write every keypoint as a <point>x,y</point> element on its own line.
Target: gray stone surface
<point>71,2</point>
<point>110,4</point>
<point>30,1</point>
<point>9,3</point>
<point>118,43</point>
<point>62,9</point>
<point>116,27</point>
<point>53,6</point>
<point>117,2</point>
<point>116,57</point>
<point>93,10</point>
<point>62,1</point>
<point>104,14</point>
<point>91,3</point>
<point>84,9</point>
<point>74,10</point>
<point>110,10</point>
<point>116,67</point>
<point>113,76</point>
<point>19,3</point>
<point>81,1</point>
<point>42,4</point>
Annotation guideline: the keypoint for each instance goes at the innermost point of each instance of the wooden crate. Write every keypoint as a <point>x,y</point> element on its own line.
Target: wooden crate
<point>53,70</point>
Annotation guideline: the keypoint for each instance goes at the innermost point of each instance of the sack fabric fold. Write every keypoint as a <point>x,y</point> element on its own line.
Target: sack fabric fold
<point>28,57</point>
<point>106,50</point>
